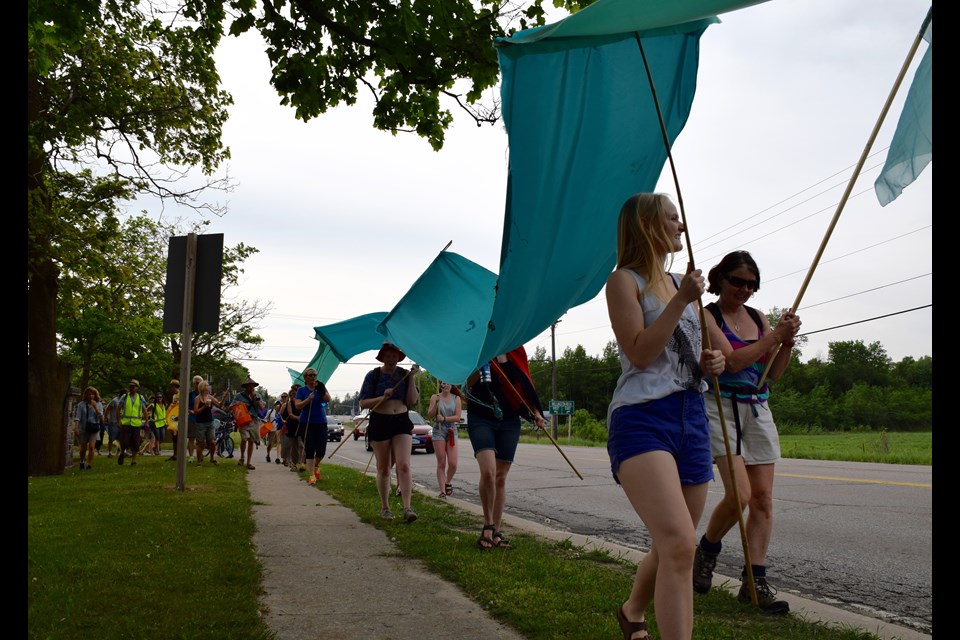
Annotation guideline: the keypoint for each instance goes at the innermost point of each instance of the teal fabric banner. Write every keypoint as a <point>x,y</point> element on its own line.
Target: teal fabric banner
<point>441,322</point>
<point>912,146</point>
<point>584,135</point>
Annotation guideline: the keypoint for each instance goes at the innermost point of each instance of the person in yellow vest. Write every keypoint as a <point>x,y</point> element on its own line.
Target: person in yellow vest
<point>132,415</point>
<point>172,398</point>
<point>158,423</point>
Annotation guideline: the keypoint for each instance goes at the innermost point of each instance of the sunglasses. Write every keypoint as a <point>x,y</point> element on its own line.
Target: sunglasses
<point>310,375</point>
<point>740,282</point>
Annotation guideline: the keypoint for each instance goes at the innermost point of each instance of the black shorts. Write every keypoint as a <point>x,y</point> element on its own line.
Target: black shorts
<point>384,426</point>
<point>130,437</point>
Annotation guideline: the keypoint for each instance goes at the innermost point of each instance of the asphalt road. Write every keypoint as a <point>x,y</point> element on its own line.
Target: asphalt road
<point>853,535</point>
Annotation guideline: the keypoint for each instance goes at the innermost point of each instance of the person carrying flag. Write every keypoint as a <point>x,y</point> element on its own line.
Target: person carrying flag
<point>500,393</point>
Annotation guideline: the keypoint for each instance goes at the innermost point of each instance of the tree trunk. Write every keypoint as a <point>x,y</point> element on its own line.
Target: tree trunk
<point>48,379</point>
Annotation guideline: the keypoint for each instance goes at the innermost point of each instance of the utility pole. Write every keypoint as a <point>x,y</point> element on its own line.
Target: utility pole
<point>553,391</point>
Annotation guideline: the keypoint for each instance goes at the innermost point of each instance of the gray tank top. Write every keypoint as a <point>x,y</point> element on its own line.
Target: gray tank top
<point>677,368</point>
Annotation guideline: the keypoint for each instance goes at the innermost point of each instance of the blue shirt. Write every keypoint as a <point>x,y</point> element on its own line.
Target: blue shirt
<point>314,412</point>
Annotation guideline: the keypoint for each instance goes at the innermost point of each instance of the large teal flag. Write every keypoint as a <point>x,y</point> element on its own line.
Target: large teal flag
<point>912,146</point>
<point>584,135</point>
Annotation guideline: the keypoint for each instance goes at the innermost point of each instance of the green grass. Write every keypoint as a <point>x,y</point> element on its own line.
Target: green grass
<point>883,446</point>
<point>858,446</point>
<point>118,552</point>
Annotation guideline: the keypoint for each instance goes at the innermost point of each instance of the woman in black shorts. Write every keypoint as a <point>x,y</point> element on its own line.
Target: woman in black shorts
<point>388,391</point>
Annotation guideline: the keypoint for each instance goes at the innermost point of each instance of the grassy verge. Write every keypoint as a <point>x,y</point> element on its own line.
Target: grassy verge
<point>862,446</point>
<point>118,552</point>
<point>883,446</point>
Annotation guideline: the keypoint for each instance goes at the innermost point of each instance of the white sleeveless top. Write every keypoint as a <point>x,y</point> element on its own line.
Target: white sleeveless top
<point>677,368</point>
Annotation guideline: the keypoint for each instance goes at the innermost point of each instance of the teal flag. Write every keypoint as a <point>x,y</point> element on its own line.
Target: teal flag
<point>296,377</point>
<point>584,135</point>
<point>341,341</point>
<point>912,146</point>
<point>441,322</point>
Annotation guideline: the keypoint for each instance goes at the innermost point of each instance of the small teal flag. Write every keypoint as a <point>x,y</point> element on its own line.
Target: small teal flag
<point>912,147</point>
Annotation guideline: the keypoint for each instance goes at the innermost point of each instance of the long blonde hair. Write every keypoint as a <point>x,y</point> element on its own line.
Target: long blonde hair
<point>643,244</point>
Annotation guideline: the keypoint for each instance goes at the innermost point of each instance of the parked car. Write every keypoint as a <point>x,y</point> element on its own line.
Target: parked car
<point>422,434</point>
<point>334,429</point>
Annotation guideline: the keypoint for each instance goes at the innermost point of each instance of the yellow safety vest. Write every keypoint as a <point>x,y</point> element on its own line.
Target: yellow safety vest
<point>132,411</point>
<point>159,415</point>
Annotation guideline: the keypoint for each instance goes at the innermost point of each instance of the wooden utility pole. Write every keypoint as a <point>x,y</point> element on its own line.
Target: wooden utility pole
<point>553,390</point>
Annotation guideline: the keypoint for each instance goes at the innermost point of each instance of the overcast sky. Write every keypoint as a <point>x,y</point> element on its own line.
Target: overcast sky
<point>788,94</point>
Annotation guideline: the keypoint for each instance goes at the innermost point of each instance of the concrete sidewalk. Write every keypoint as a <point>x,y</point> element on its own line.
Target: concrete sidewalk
<point>329,576</point>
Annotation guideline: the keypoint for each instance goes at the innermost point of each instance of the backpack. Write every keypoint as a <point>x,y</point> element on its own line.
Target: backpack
<point>376,376</point>
<point>753,313</point>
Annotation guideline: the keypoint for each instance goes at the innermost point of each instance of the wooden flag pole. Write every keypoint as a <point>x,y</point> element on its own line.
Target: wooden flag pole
<point>706,335</point>
<point>534,413</point>
<point>853,179</point>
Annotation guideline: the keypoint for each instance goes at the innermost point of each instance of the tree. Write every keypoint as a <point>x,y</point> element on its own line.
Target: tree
<point>914,373</point>
<point>118,86</point>
<point>407,55</point>
<point>852,362</point>
<point>129,89</point>
<point>111,313</point>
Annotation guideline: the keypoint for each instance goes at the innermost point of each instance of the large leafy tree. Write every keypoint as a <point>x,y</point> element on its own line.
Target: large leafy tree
<point>130,88</point>
<point>411,56</point>
<point>120,97</point>
<point>111,312</point>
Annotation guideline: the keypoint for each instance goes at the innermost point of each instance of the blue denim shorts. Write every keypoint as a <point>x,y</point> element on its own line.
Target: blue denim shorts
<point>676,424</point>
<point>501,436</point>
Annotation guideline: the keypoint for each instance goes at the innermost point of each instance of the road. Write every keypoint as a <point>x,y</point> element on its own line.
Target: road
<point>852,535</point>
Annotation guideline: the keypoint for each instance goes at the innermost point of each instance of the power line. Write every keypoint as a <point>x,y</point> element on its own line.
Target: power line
<point>865,291</point>
<point>850,324</point>
<point>787,199</point>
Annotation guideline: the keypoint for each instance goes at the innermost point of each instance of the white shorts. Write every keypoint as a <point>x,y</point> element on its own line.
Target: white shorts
<point>758,441</point>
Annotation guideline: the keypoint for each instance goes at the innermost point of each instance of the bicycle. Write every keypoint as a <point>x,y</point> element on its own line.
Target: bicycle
<point>224,426</point>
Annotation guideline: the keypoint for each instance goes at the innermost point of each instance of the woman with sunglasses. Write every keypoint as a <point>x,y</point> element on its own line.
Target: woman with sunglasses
<point>747,341</point>
<point>658,435</point>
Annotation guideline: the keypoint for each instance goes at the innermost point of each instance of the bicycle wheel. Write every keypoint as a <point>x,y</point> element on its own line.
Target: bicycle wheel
<point>225,447</point>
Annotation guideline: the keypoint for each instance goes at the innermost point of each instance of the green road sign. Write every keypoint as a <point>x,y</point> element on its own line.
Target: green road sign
<point>561,407</point>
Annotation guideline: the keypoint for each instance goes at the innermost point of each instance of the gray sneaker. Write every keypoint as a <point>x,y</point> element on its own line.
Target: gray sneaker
<point>386,514</point>
<point>766,596</point>
<point>409,516</point>
<point>704,563</point>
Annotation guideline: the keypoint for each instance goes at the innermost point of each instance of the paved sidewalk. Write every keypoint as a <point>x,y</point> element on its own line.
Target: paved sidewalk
<point>329,576</point>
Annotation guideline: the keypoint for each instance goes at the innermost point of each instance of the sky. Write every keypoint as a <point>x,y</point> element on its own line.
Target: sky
<point>346,217</point>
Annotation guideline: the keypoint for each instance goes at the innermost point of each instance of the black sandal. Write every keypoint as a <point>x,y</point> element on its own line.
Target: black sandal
<point>484,543</point>
<point>629,628</point>
<point>448,489</point>
<point>500,540</point>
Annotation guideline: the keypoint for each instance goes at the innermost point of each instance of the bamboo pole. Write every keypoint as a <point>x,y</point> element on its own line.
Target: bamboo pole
<point>715,383</point>
<point>853,179</point>
<point>534,413</point>
<point>382,398</point>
